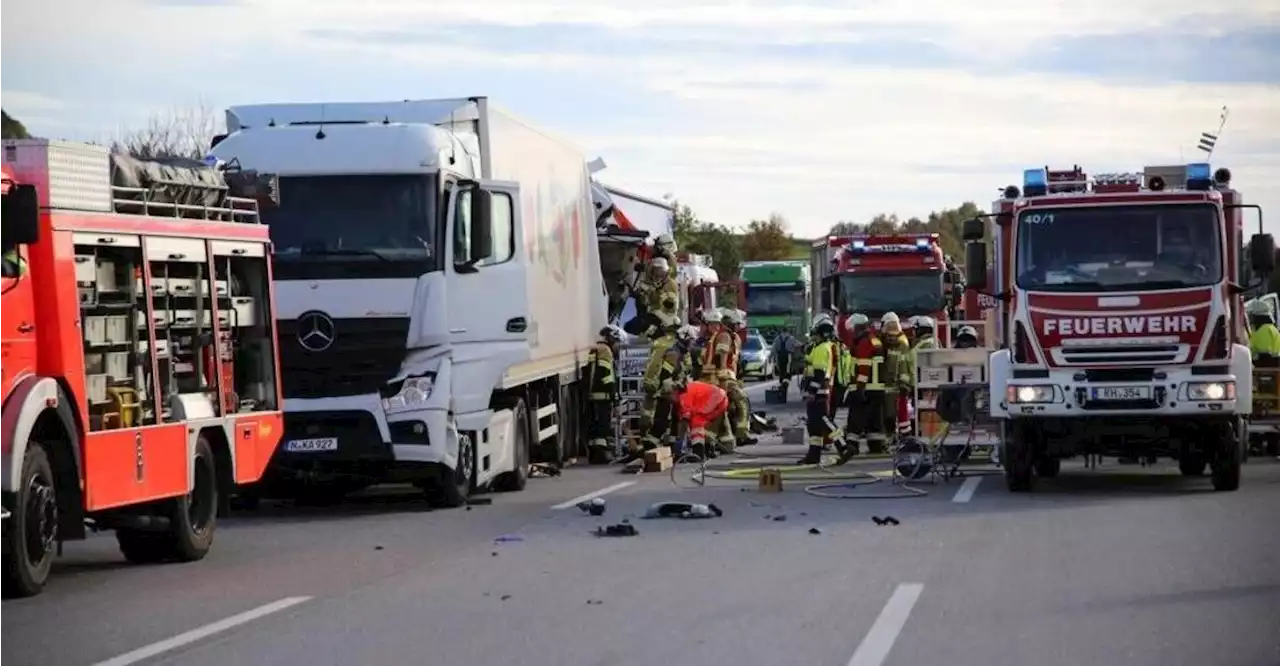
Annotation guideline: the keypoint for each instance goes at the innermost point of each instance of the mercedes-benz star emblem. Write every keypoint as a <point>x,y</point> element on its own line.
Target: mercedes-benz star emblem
<point>315,331</point>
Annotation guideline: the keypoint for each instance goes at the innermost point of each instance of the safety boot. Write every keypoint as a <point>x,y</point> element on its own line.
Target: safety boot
<point>847,448</point>
<point>813,457</point>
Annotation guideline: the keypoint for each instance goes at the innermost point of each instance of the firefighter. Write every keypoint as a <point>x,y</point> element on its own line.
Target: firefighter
<point>665,369</point>
<point>664,246</point>
<point>966,337</point>
<point>14,264</point>
<point>735,322</point>
<point>866,403</point>
<point>820,369</point>
<point>657,299</point>
<point>784,349</point>
<point>1264,340</point>
<point>704,408</point>
<point>603,386</point>
<point>897,369</point>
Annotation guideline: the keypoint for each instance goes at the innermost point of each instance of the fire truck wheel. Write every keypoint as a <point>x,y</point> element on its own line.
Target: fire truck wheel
<point>33,531</point>
<point>1047,468</point>
<point>1225,468</point>
<point>192,519</point>
<point>1017,459</point>
<point>516,480</point>
<point>452,488</point>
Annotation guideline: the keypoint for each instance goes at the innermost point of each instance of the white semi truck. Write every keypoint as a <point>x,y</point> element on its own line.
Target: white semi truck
<point>439,284</point>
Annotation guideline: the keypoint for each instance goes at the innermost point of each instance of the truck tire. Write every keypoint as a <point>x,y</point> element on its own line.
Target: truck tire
<point>1048,468</point>
<point>1225,467</point>
<point>1018,459</point>
<point>193,519</point>
<point>33,530</point>
<point>453,487</point>
<point>516,480</point>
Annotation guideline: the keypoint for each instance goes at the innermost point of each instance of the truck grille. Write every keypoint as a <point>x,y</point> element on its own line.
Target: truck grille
<point>1121,354</point>
<point>364,354</point>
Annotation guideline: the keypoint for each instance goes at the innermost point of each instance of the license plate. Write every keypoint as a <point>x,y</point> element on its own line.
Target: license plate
<point>1122,393</point>
<point>312,445</point>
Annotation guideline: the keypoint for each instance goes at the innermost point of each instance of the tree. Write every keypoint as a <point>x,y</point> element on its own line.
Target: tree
<point>180,132</point>
<point>11,127</point>
<point>767,240</point>
<point>699,237</point>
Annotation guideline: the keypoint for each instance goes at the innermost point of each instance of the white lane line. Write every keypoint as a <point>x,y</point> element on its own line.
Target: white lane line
<point>187,638</point>
<point>592,495</point>
<point>875,646</point>
<point>967,489</point>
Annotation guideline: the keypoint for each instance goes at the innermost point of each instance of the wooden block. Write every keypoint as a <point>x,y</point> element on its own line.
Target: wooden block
<point>659,465</point>
<point>657,454</point>
<point>770,480</point>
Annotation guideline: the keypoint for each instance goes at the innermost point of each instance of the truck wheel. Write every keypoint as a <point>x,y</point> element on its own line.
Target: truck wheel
<point>454,487</point>
<point>1192,463</point>
<point>516,480</point>
<point>1047,468</point>
<point>33,532</point>
<point>1225,468</point>
<point>192,520</point>
<point>1017,460</point>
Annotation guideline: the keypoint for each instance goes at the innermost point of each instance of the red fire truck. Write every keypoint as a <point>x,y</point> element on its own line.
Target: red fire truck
<point>140,371</point>
<point>1121,329</point>
<point>906,274</point>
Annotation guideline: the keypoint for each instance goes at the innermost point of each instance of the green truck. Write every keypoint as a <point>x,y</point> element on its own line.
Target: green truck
<point>778,294</point>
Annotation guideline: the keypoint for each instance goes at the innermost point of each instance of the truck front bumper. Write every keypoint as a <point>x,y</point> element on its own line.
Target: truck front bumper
<point>356,429</point>
<point>1208,391</point>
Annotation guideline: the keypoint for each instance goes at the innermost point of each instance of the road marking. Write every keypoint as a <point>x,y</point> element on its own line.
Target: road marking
<point>187,638</point>
<point>967,489</point>
<point>590,496</point>
<point>875,646</point>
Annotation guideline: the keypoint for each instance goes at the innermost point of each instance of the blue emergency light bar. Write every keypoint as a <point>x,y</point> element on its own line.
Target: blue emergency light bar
<point>1199,176</point>
<point>1035,182</point>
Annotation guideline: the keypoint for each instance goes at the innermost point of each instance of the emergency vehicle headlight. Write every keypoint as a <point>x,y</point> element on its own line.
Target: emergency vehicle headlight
<point>1035,182</point>
<point>1199,176</point>
<point>1210,391</point>
<point>859,245</point>
<point>410,393</point>
<point>922,243</point>
<point>1024,395</point>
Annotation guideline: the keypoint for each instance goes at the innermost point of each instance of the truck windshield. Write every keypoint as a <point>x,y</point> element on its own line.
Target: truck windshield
<point>906,294</point>
<point>775,301</point>
<point>355,226</point>
<point>1119,248</point>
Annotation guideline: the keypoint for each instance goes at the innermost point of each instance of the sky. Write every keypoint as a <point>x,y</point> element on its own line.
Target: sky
<point>821,110</point>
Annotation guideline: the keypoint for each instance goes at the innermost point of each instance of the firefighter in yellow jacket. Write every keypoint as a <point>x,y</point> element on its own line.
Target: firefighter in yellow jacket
<point>665,369</point>
<point>820,368</point>
<point>735,322</point>
<point>602,382</point>
<point>897,372</point>
<point>717,357</point>
<point>657,299</point>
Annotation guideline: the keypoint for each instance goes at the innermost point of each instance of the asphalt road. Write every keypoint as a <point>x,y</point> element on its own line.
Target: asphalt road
<point>1112,567</point>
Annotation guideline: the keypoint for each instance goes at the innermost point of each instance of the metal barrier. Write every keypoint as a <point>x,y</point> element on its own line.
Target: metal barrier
<point>951,366</point>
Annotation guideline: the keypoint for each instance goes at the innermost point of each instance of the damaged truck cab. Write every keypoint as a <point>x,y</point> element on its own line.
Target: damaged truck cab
<point>1121,326</point>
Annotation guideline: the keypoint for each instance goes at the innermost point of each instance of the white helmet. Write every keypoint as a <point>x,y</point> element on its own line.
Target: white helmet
<point>1257,308</point>
<point>922,321</point>
<point>687,333</point>
<point>712,315</point>
<point>911,321</point>
<point>855,320</point>
<point>823,319</point>
<point>967,330</point>
<point>612,333</point>
<point>659,264</point>
<point>666,242</point>
<point>890,317</point>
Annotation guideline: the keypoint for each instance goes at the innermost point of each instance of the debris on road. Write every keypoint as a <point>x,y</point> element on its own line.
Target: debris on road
<point>619,530</point>
<point>479,501</point>
<point>595,602</point>
<point>509,538</point>
<point>887,520</point>
<point>683,510</point>
<point>780,517</point>
<point>543,470</point>
<point>814,530</point>
<point>594,507</point>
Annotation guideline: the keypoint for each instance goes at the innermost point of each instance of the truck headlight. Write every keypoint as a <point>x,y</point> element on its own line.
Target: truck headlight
<point>1209,391</point>
<point>408,393</point>
<point>1024,395</point>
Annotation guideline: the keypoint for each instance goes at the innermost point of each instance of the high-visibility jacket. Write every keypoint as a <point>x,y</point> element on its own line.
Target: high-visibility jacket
<point>845,367</point>
<point>717,354</point>
<point>897,361</point>
<point>600,375</point>
<point>702,402</point>
<point>820,367</point>
<point>19,263</point>
<point>662,298</point>
<point>1265,340</point>
<point>868,359</point>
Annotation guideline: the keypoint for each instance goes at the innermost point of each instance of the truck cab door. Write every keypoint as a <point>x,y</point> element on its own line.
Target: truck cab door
<point>488,298</point>
<point>17,321</point>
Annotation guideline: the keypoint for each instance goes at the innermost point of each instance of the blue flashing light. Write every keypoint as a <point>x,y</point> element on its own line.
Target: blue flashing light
<point>922,243</point>
<point>1199,176</point>
<point>859,245</point>
<point>1035,182</point>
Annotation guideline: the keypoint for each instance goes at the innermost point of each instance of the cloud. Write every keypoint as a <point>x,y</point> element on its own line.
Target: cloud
<point>823,110</point>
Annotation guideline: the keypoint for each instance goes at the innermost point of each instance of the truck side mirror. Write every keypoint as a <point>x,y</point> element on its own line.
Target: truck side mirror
<point>974,229</point>
<point>21,215</point>
<point>481,232</point>
<point>975,265</point>
<point>1262,253</point>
